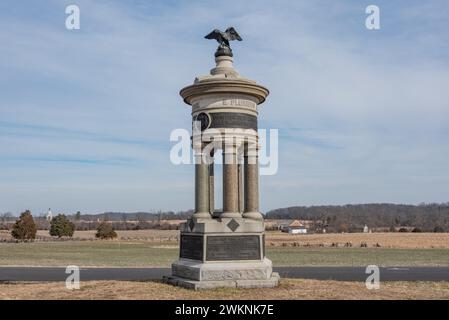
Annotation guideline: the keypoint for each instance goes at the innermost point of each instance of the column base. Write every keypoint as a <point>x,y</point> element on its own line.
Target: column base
<point>202,215</point>
<point>253,215</point>
<point>231,215</point>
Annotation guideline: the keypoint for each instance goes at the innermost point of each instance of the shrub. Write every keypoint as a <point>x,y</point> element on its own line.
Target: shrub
<point>438,229</point>
<point>403,230</point>
<point>25,227</point>
<point>416,230</point>
<point>60,226</point>
<point>105,231</point>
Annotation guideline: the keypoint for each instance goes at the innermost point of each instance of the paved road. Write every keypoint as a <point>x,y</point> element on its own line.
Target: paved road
<point>319,273</point>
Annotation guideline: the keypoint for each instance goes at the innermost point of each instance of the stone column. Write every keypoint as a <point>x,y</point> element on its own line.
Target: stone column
<point>241,192</point>
<point>201,188</point>
<point>230,183</point>
<point>211,185</point>
<point>251,163</point>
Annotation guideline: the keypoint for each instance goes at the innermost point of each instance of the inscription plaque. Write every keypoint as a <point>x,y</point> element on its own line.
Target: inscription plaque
<point>219,248</point>
<point>191,247</point>
<point>233,120</point>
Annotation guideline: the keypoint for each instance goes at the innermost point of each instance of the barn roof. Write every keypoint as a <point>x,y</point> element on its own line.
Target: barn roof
<point>296,223</point>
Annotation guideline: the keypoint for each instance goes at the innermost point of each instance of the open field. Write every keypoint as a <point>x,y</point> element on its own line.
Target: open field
<point>276,238</point>
<point>145,235</point>
<point>158,248</point>
<point>397,240</point>
<point>288,289</point>
<point>161,254</point>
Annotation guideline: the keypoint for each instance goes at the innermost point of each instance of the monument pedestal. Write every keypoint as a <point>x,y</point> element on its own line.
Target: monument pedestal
<point>222,253</point>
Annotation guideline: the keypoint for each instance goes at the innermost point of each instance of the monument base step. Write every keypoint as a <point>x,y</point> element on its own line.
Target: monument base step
<point>272,282</point>
<point>222,271</point>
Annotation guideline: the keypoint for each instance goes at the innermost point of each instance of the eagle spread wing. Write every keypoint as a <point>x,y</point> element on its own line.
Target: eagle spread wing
<point>232,34</point>
<point>214,35</point>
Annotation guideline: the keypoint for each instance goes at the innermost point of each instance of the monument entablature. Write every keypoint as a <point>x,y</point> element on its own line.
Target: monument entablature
<point>231,86</point>
<point>226,102</point>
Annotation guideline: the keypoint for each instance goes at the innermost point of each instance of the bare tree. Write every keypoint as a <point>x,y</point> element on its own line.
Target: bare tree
<point>5,218</point>
<point>125,221</point>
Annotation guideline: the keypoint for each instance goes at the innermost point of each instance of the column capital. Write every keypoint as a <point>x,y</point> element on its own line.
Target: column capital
<point>251,152</point>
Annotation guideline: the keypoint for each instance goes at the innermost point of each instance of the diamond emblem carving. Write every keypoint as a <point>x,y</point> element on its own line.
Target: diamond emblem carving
<point>191,224</point>
<point>233,225</point>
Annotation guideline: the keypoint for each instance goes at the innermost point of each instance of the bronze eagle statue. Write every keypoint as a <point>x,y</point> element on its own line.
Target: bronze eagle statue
<point>223,38</point>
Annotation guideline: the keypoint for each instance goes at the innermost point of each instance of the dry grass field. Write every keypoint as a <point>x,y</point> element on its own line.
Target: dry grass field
<point>145,235</point>
<point>397,240</point>
<point>162,254</point>
<point>275,238</point>
<point>151,248</point>
<point>158,248</point>
<point>288,289</point>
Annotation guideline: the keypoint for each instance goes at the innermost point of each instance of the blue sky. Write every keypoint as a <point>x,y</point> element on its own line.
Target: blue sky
<point>86,115</point>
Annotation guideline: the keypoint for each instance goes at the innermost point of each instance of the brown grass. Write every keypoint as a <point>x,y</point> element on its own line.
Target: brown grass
<point>276,238</point>
<point>385,240</point>
<point>288,289</point>
<point>145,235</point>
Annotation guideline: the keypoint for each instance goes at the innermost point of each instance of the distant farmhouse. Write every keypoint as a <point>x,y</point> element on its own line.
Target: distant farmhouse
<point>294,226</point>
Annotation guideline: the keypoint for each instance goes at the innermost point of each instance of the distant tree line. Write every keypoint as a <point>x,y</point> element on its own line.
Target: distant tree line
<point>431,217</point>
<point>137,216</point>
<point>119,220</point>
<point>25,227</point>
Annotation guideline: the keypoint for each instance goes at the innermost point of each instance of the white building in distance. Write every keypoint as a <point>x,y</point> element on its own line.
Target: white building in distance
<point>294,227</point>
<point>49,215</point>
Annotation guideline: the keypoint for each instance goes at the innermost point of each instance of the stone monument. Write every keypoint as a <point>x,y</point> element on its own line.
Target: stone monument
<point>226,248</point>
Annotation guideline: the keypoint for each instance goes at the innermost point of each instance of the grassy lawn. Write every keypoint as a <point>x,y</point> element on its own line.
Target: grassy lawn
<point>152,254</point>
<point>384,257</point>
<point>288,289</point>
<point>87,253</point>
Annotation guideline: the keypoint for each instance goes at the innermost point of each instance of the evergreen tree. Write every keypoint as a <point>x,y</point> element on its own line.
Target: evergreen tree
<point>25,227</point>
<point>60,226</point>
